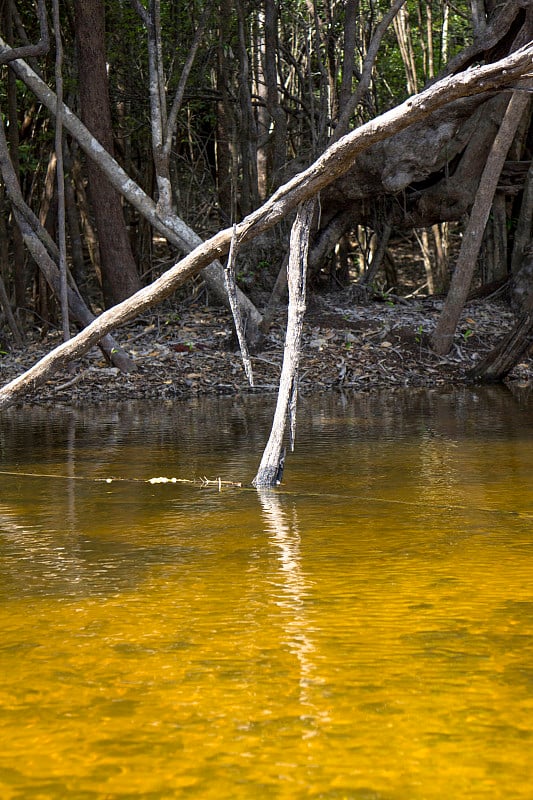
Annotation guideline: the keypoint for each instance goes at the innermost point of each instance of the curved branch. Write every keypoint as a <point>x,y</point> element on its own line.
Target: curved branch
<point>366,74</point>
<point>29,50</point>
<point>334,161</point>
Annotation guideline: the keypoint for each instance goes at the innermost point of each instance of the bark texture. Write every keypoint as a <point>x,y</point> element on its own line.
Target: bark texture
<point>119,272</point>
<point>270,470</point>
<point>336,160</point>
<point>442,337</point>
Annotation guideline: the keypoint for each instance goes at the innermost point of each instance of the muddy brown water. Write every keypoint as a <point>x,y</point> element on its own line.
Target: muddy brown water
<point>365,631</point>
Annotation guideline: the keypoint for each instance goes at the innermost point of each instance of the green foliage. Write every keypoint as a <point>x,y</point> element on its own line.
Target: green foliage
<point>217,138</point>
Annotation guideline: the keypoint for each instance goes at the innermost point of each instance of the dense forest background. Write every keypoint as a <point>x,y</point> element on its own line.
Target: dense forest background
<point>209,107</point>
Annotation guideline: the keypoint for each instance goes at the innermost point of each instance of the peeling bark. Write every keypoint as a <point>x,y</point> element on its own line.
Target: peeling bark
<point>270,470</point>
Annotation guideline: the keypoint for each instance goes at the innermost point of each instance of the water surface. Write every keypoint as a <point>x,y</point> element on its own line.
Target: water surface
<point>365,631</point>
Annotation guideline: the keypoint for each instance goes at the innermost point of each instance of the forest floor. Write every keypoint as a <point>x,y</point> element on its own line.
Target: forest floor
<point>186,351</point>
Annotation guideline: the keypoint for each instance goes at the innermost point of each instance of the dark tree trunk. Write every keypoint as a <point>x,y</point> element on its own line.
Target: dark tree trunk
<point>225,126</point>
<point>119,273</point>
<point>278,144</point>
<point>19,272</point>
<point>501,361</point>
<point>508,353</point>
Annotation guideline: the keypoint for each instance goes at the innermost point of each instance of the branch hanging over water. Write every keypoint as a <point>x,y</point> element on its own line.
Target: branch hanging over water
<point>335,161</point>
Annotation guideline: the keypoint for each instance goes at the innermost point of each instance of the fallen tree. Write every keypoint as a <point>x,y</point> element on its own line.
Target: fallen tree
<point>46,254</point>
<point>334,162</point>
<point>160,217</point>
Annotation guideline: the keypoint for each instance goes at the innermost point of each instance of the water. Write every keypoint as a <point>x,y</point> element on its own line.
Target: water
<point>364,632</point>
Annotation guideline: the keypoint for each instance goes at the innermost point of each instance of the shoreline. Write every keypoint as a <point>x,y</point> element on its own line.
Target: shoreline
<point>188,352</point>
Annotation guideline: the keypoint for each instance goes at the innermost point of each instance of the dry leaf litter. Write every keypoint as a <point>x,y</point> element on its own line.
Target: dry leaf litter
<point>192,351</point>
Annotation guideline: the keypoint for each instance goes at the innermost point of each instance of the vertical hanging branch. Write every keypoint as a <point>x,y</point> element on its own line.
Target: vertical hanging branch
<point>231,288</point>
<point>60,175</point>
<point>271,467</point>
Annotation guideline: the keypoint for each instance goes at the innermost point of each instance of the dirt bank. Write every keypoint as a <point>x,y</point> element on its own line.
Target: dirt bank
<point>190,351</point>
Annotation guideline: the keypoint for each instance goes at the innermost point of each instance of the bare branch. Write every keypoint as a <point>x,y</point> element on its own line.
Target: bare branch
<point>7,54</point>
<point>355,99</point>
<point>336,160</point>
<point>186,71</point>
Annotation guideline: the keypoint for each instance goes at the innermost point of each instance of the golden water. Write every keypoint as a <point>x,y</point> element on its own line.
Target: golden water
<point>364,632</point>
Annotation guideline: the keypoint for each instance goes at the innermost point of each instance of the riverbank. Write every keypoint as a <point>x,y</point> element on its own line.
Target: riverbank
<point>191,351</point>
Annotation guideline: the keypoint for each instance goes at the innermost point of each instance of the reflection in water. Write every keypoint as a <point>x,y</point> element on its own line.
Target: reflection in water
<point>292,590</point>
<point>365,631</point>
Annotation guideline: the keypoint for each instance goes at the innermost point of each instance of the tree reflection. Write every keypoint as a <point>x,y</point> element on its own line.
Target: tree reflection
<point>293,598</point>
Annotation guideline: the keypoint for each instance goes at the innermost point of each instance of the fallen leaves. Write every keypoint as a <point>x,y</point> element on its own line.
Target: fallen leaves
<point>357,347</point>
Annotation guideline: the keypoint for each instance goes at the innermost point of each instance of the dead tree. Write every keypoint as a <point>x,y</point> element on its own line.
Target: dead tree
<point>169,225</point>
<point>271,467</point>
<point>334,162</point>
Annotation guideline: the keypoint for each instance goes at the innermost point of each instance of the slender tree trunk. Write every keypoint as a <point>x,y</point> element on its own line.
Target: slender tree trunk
<point>249,195</point>
<point>270,470</point>
<point>335,161</point>
<point>119,273</point>
<point>348,52</point>
<point>500,361</point>
<point>440,267</point>
<point>5,304</point>
<point>225,149</point>
<point>73,222</point>
<point>522,277</point>
<point>19,272</point>
<point>442,338</point>
<point>88,232</point>
<point>405,42</point>
<point>48,220</point>
<point>262,116</point>
<point>350,103</point>
<point>493,256</point>
<point>6,308</point>
<point>60,174</point>
<point>278,140</point>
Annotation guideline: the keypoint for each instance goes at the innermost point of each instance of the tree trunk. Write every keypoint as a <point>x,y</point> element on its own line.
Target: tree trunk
<point>443,334</point>
<point>6,308</point>
<point>270,470</point>
<point>247,131</point>
<point>19,271</point>
<point>79,311</point>
<point>225,145</point>
<point>335,161</point>
<point>494,247</point>
<point>278,138</point>
<point>522,268</point>
<point>60,174</point>
<point>172,227</point>
<point>73,223</point>
<point>119,273</point>
<point>46,255</point>
<point>507,354</point>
